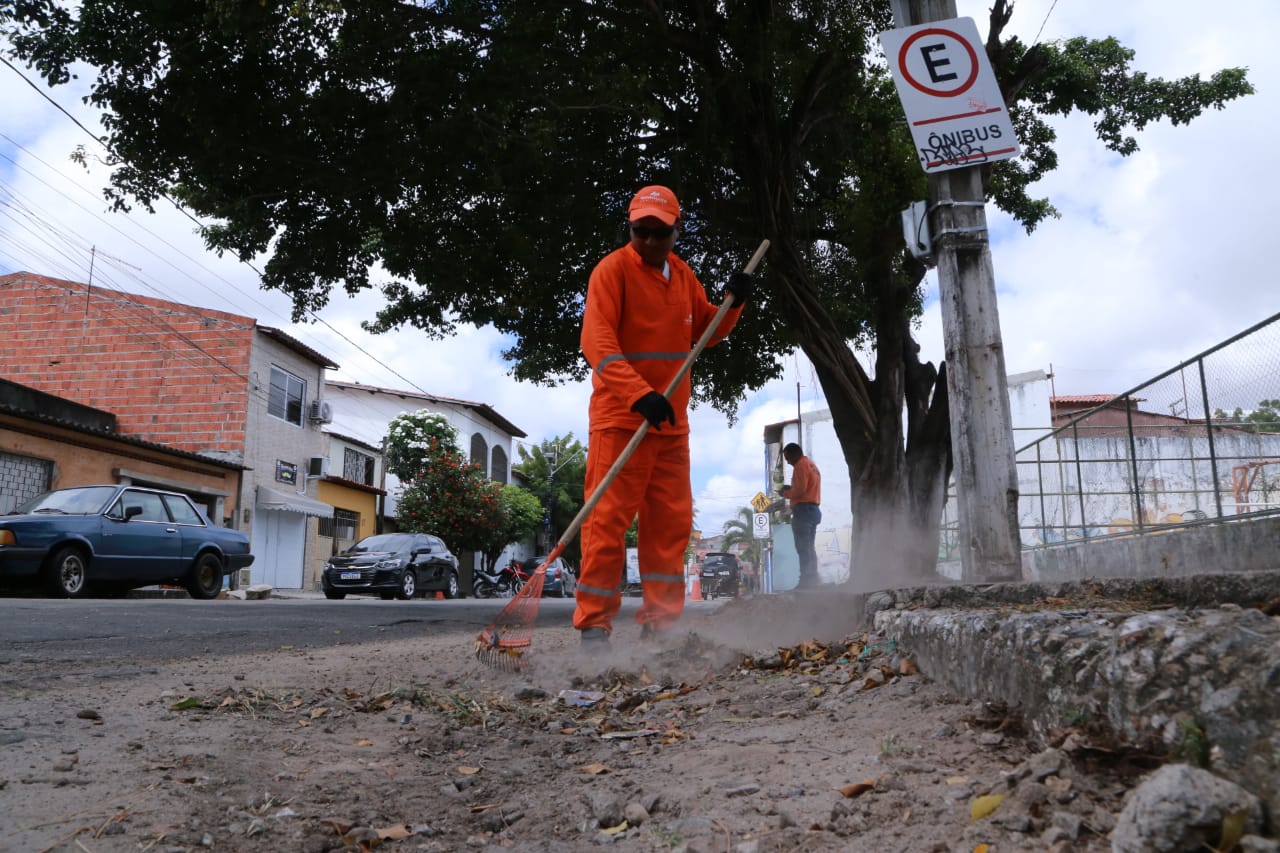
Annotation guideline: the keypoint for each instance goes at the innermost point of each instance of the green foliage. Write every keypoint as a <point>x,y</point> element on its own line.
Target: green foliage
<point>454,500</point>
<point>414,438</point>
<point>554,472</point>
<point>445,495</point>
<point>1193,744</point>
<point>1265,418</point>
<point>741,531</point>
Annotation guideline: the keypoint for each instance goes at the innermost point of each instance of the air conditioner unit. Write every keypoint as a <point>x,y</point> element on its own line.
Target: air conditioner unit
<point>322,411</point>
<point>317,466</point>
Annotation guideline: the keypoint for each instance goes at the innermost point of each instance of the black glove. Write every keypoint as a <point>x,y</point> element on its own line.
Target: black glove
<point>740,285</point>
<point>655,409</point>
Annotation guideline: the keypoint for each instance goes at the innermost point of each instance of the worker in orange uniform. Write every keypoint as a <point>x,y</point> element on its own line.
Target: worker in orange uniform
<point>645,311</point>
<point>804,495</point>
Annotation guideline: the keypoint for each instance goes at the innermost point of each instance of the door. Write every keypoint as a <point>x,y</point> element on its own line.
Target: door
<point>279,546</point>
<point>143,547</point>
<point>786,562</point>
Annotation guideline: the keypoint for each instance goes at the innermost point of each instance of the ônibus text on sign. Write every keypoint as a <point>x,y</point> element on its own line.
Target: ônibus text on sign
<point>950,95</point>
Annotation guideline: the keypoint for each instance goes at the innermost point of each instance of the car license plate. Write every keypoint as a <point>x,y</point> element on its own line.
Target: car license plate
<point>350,576</point>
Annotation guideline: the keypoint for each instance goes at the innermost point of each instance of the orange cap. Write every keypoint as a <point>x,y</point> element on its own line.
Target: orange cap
<point>655,201</point>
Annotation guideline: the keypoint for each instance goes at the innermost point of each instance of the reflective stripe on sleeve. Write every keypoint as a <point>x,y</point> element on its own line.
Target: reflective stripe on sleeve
<point>640,356</point>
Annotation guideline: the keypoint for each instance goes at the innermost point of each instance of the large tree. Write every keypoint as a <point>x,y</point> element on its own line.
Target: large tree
<point>483,154</point>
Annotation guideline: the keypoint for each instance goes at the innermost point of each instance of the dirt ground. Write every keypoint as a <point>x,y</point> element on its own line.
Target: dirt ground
<point>761,728</point>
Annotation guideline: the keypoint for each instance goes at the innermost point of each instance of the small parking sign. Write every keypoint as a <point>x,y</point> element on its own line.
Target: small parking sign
<point>760,525</point>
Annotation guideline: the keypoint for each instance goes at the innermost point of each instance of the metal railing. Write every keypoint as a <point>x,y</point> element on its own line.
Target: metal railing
<point>1196,444</point>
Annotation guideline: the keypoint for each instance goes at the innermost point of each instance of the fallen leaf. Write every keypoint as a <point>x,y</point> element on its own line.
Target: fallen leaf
<point>594,769</point>
<point>225,702</point>
<point>982,848</point>
<point>304,722</point>
<point>394,833</point>
<point>1232,830</point>
<point>906,817</point>
<point>816,691</point>
<point>614,830</point>
<point>342,827</point>
<point>957,780</point>
<point>364,741</point>
<point>185,704</point>
<point>468,771</point>
<point>908,667</point>
<point>483,807</point>
<point>317,713</point>
<point>857,789</point>
<point>983,806</point>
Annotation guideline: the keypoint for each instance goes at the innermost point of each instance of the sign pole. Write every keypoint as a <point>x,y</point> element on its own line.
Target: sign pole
<point>977,384</point>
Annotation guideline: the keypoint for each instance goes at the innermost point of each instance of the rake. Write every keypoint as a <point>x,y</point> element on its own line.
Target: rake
<point>506,642</point>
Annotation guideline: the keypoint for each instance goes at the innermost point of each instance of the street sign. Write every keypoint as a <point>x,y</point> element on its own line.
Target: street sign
<point>760,525</point>
<point>760,503</point>
<point>950,94</point>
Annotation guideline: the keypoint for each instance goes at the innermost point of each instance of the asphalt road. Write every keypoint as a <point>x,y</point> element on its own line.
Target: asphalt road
<point>149,630</point>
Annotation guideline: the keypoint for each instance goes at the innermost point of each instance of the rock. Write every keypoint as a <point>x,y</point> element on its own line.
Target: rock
<point>1256,844</point>
<point>88,714</point>
<point>742,790</point>
<point>258,591</point>
<point>606,808</point>
<point>635,814</point>
<point>1180,807</point>
<point>236,594</point>
<point>1069,823</point>
<point>651,802</point>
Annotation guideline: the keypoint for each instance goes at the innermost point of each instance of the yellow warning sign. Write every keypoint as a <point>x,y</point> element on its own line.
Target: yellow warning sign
<point>760,503</point>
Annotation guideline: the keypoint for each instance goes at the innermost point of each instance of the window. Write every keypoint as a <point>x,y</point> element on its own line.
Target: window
<point>343,525</point>
<point>480,452</point>
<point>149,502</point>
<point>498,471</point>
<point>357,467</point>
<point>285,398</point>
<point>182,511</point>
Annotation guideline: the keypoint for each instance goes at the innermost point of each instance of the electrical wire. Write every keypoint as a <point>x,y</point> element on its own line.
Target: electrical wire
<point>314,316</point>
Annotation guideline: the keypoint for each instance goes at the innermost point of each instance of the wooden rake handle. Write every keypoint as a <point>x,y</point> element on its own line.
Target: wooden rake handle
<point>572,530</point>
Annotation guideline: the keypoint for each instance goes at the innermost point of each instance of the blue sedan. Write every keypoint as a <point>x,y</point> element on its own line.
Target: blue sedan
<point>116,538</point>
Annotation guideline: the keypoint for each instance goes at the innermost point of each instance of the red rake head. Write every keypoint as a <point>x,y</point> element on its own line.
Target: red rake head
<point>508,640</point>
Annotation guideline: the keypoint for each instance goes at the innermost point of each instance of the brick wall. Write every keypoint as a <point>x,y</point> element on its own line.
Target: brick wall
<point>171,373</point>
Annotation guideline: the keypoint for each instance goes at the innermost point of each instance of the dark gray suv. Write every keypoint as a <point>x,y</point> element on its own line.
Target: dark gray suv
<point>719,575</point>
<point>392,565</point>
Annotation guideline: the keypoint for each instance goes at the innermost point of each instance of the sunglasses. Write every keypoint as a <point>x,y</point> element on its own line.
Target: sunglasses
<point>645,233</point>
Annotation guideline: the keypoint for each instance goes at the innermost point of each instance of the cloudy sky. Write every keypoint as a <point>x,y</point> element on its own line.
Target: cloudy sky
<point>1156,256</point>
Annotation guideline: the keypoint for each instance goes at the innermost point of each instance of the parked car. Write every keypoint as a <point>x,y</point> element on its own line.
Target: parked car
<point>392,565</point>
<point>560,580</point>
<point>115,538</point>
<point>719,575</point>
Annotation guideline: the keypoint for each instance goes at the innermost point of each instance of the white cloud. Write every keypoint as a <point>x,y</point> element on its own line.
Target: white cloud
<point>1156,257</point>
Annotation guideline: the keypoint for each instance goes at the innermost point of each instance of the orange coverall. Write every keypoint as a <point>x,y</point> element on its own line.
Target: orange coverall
<point>637,330</point>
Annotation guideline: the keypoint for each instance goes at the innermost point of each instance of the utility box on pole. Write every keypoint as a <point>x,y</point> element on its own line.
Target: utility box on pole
<point>945,81</point>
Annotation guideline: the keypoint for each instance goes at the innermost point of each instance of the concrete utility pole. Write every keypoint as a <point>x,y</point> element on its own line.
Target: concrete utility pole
<point>977,385</point>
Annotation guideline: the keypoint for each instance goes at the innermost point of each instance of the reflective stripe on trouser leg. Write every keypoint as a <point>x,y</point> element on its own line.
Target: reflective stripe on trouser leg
<point>666,521</point>
<point>604,556</point>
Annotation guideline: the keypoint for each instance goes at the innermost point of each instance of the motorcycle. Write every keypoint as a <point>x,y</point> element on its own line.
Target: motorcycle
<point>505,582</point>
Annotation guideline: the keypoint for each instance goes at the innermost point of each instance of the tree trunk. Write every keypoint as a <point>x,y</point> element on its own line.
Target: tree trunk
<point>897,478</point>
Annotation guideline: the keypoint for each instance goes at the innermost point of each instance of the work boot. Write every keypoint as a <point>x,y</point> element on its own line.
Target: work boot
<point>595,641</point>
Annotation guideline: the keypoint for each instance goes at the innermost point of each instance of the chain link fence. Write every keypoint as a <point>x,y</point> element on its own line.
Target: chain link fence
<point>1197,444</point>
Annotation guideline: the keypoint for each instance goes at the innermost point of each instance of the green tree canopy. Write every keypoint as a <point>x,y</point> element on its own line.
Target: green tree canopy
<point>554,471</point>
<point>482,154</point>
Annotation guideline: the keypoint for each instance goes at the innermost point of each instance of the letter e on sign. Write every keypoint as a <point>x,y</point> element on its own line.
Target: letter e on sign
<point>950,95</point>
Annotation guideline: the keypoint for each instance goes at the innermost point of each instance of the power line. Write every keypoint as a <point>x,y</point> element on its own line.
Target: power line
<point>201,225</point>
